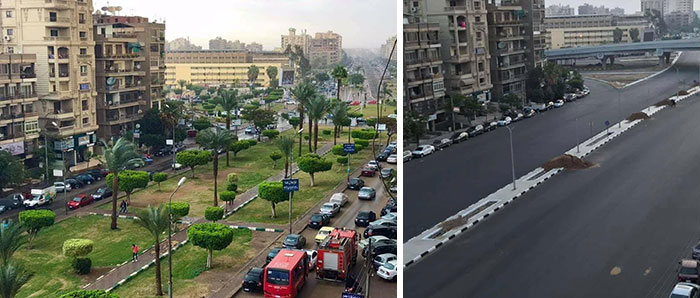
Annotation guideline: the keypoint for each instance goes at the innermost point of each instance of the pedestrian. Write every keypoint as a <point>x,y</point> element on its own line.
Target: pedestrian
<point>134,253</point>
<point>122,207</point>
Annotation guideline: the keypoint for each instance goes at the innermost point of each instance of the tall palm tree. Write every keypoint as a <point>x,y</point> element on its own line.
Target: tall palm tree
<point>10,241</point>
<point>339,109</point>
<point>117,155</point>
<point>182,84</point>
<point>170,113</point>
<point>339,73</point>
<point>155,221</point>
<point>229,101</point>
<point>272,74</point>
<point>303,93</point>
<point>286,146</point>
<point>253,72</point>
<point>215,139</point>
<point>12,277</point>
<point>318,107</point>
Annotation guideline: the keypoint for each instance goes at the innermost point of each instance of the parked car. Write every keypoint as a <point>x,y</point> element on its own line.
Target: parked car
<point>475,130</point>
<point>312,255</point>
<point>386,172</point>
<point>459,137</point>
<point>339,198</point>
<point>384,248</point>
<point>490,126</point>
<point>319,220</point>
<point>330,209</point>
<point>356,183</point>
<point>272,254</point>
<point>390,207</point>
<point>373,164</point>
<point>442,144</point>
<point>363,218</point>
<point>383,222</point>
<point>688,271</point>
<point>376,240</point>
<point>685,290</point>
<point>528,113</point>
<point>101,193</point>
<point>505,121</point>
<point>569,97</point>
<point>407,155</point>
<point>253,280</point>
<point>389,232</point>
<point>167,150</point>
<point>382,156</point>
<point>294,241</point>
<point>139,163</point>
<point>558,103</point>
<point>12,201</point>
<point>85,179</point>
<point>98,174</point>
<point>366,193</point>
<point>392,159</point>
<point>423,150</point>
<point>368,172</point>
<point>391,216</point>
<point>249,130</point>
<point>60,187</point>
<point>380,260</point>
<point>388,271</point>
<point>80,201</point>
<point>696,251</point>
<point>322,233</point>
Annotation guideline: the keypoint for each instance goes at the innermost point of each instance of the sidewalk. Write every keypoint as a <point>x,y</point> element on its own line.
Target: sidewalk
<point>429,138</point>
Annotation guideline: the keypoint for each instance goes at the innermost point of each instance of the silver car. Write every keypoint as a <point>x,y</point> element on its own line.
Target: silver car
<point>330,209</point>
<point>366,193</point>
<point>685,289</point>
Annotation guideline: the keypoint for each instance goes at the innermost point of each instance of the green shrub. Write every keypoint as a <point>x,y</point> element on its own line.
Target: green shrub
<point>365,134</point>
<point>89,294</point>
<point>232,187</point>
<point>34,220</point>
<point>214,213</point>
<point>160,177</point>
<point>227,196</point>
<point>343,160</point>
<point>306,137</point>
<point>251,142</point>
<point>326,132</point>
<point>358,148</point>
<point>75,248</point>
<point>271,133</point>
<point>82,265</point>
<point>363,143</point>
<point>338,150</point>
<point>179,209</point>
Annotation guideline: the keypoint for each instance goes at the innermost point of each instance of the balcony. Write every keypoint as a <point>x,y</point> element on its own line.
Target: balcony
<point>14,97</point>
<point>510,51</point>
<point>57,4</point>
<point>426,60</point>
<point>456,9</point>
<point>124,103</point>
<point>513,78</point>
<point>120,56</point>
<point>56,38</point>
<point>57,21</point>
<point>125,72</point>
<point>123,88</point>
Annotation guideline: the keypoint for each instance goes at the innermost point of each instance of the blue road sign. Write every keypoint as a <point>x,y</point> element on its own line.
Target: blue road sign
<point>607,123</point>
<point>290,185</point>
<point>350,295</point>
<point>349,148</point>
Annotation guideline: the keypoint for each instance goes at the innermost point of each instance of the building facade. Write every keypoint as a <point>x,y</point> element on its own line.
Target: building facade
<point>559,10</point>
<point>326,49</point>
<point>591,9</point>
<point>59,33</point>
<point>590,30</point>
<point>220,67</point>
<point>19,104</point>
<point>181,44</point>
<point>293,39</point>
<point>658,5</point>
<point>385,49</point>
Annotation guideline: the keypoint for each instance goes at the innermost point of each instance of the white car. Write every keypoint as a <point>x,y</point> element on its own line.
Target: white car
<point>423,150</point>
<point>390,216</point>
<point>388,271</point>
<point>505,121</point>
<point>373,164</point>
<point>375,240</point>
<point>407,156</point>
<point>177,166</point>
<point>380,260</point>
<point>685,289</point>
<point>392,159</point>
<point>60,187</point>
<point>383,222</point>
<point>313,257</point>
<point>558,103</point>
<point>339,198</point>
<point>330,209</point>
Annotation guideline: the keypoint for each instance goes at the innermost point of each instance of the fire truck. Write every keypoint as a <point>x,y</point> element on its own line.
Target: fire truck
<point>336,255</point>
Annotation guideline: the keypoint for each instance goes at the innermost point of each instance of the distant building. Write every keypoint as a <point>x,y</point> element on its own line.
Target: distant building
<point>254,47</point>
<point>587,9</point>
<point>385,49</point>
<point>559,10</point>
<point>617,11</point>
<point>658,5</point>
<point>589,30</point>
<point>326,49</point>
<point>219,43</point>
<point>293,39</point>
<point>181,44</point>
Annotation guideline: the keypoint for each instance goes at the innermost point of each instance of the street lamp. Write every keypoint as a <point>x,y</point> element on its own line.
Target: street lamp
<point>619,107</point>
<point>170,246</point>
<point>512,160</point>
<point>46,149</point>
<point>291,193</point>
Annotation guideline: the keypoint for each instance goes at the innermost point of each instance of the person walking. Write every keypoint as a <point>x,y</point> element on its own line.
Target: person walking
<point>134,253</point>
<point>122,207</point>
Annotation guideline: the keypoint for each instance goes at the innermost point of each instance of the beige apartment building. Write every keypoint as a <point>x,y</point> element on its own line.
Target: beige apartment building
<point>326,49</point>
<point>591,30</point>
<point>221,67</point>
<point>19,117</point>
<point>59,33</point>
<point>293,39</point>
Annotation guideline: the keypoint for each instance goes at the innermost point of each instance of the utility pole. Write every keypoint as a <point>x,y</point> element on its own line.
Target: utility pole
<point>170,246</point>
<point>512,159</point>
<point>369,267</point>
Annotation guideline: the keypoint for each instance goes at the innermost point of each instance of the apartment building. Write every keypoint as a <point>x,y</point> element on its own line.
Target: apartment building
<point>559,10</point>
<point>293,39</point>
<point>385,49</point>
<point>221,67</point>
<point>590,30</point>
<point>19,117</point>
<point>658,5</point>
<point>326,49</point>
<point>59,33</point>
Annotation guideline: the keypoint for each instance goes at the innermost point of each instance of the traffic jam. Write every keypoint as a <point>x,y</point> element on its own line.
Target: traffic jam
<point>348,247</point>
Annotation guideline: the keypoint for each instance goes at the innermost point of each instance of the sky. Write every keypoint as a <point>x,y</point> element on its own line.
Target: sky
<point>630,6</point>
<point>361,23</point>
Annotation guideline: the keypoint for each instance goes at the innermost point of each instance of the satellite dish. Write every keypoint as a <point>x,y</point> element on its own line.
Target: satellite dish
<point>104,8</point>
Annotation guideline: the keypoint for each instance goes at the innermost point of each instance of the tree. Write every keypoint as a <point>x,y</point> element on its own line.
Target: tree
<point>117,156</point>
<point>253,73</point>
<point>182,84</point>
<point>35,220</point>
<point>318,108</point>
<point>77,249</point>
<point>10,241</point>
<point>201,123</point>
<point>229,101</point>
<point>272,74</point>
<point>178,209</point>
<point>210,236</point>
<point>286,146</point>
<point>313,163</point>
<point>339,73</point>
<point>513,100</point>
<point>634,34</point>
<point>155,221</point>
<point>227,196</point>
<point>160,177</point>
<point>271,133</point>
<point>322,77</point>
<point>414,126</point>
<point>12,277</point>
<point>272,192</point>
<point>303,92</point>
<point>260,118</point>
<point>356,79</point>
<point>171,112</point>
<point>294,122</point>
<point>129,181</point>
<point>12,171</point>
<point>238,146</point>
<point>339,110</point>
<point>391,127</point>
<point>89,294</point>
<point>215,139</point>
<point>617,35</point>
<point>214,213</point>
<point>193,158</point>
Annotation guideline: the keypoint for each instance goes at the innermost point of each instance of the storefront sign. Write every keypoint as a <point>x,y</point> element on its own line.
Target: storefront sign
<point>15,148</point>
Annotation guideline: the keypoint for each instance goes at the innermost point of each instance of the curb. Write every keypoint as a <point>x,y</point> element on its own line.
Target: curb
<point>259,229</point>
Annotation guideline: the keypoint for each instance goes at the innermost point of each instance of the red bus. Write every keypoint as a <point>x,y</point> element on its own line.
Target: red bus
<point>286,274</point>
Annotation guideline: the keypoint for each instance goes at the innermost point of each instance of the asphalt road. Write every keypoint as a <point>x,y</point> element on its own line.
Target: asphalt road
<point>439,185</point>
<point>617,230</point>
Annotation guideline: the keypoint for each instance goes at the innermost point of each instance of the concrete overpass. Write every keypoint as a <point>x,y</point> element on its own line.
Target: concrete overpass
<point>608,52</point>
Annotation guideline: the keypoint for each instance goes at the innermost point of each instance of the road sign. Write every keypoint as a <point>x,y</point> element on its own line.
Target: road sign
<point>607,123</point>
<point>381,127</point>
<point>350,295</point>
<point>169,142</point>
<point>349,148</point>
<point>236,122</point>
<point>290,185</point>
<point>57,173</point>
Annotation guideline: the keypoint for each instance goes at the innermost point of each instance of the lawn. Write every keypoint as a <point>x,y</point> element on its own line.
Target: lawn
<point>370,111</point>
<point>52,271</point>
<point>188,264</point>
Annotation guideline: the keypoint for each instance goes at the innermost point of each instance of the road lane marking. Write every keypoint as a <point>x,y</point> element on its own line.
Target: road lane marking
<point>615,271</point>
<point>647,271</point>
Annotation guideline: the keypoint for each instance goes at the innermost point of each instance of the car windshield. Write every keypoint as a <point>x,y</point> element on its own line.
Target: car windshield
<point>316,217</point>
<point>277,276</point>
<point>324,232</point>
<point>251,276</point>
<point>76,199</point>
<point>327,206</point>
<point>291,239</point>
<point>420,148</point>
<point>678,296</point>
<point>363,215</point>
<point>389,266</point>
<point>689,270</point>
<point>354,181</point>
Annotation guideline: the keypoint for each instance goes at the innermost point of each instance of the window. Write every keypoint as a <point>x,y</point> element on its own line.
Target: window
<point>83,51</point>
<point>31,127</point>
<point>81,18</point>
<point>10,50</point>
<point>8,13</point>
<point>83,34</point>
<point>438,86</point>
<point>52,16</point>
<point>86,120</point>
<point>54,32</point>
<point>10,32</point>
<point>83,70</point>
<point>86,106</point>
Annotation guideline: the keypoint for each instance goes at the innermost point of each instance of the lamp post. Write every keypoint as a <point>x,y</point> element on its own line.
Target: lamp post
<point>170,246</point>
<point>619,107</point>
<point>512,159</point>
<point>46,150</point>
<point>63,173</point>
<point>291,171</point>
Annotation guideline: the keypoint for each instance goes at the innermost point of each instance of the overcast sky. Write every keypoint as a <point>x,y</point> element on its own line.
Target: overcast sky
<point>630,6</point>
<point>362,23</point>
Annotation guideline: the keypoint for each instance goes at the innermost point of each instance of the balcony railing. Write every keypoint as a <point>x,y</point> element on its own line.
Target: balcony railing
<point>57,19</point>
<point>17,96</point>
<point>57,38</point>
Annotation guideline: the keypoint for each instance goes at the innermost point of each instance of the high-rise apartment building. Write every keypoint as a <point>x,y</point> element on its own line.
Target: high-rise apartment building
<point>658,5</point>
<point>592,9</point>
<point>385,49</point>
<point>559,10</point>
<point>326,49</point>
<point>293,39</point>
<point>59,33</point>
<point>181,44</point>
<point>19,117</point>
<point>130,72</point>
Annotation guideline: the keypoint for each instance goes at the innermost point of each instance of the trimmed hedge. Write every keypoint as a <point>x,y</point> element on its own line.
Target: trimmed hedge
<point>179,209</point>
<point>89,294</point>
<point>343,160</point>
<point>82,265</point>
<point>271,133</point>
<point>227,196</point>
<point>326,132</point>
<point>364,143</point>
<point>367,134</point>
<point>214,213</point>
<point>75,248</point>
<point>210,235</point>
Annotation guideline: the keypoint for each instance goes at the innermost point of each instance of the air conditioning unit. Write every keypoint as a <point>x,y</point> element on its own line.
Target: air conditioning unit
<point>414,9</point>
<point>8,37</point>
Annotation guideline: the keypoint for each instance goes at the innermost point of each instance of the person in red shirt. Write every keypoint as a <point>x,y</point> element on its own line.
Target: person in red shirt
<point>135,253</point>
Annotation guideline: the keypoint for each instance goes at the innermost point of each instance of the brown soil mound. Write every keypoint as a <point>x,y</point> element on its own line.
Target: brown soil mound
<point>638,116</point>
<point>665,102</point>
<point>568,162</point>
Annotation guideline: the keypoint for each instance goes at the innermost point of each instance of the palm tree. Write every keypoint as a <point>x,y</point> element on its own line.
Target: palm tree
<point>155,221</point>
<point>170,113</point>
<point>10,241</point>
<point>12,277</point>
<point>339,109</point>
<point>339,73</point>
<point>286,146</point>
<point>182,84</point>
<point>272,74</point>
<point>117,155</point>
<point>215,139</point>
<point>253,72</point>
<point>318,107</point>
<point>229,101</point>
<point>303,92</point>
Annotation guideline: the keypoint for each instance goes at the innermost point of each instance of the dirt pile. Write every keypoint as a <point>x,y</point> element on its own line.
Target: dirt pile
<point>637,116</point>
<point>665,102</point>
<point>568,162</point>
